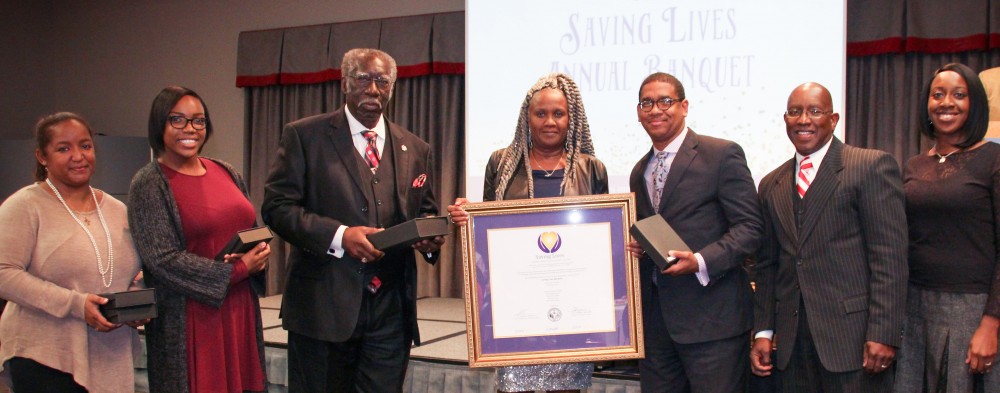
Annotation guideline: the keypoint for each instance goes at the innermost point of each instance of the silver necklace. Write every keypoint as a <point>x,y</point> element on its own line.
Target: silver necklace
<point>108,272</point>
<point>554,169</point>
<point>941,158</point>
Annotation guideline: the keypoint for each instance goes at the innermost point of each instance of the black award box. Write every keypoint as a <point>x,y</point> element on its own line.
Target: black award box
<point>244,240</point>
<point>129,306</point>
<point>410,232</point>
<point>656,238</point>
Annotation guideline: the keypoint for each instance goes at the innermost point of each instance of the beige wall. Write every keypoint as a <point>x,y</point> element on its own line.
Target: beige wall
<point>108,59</point>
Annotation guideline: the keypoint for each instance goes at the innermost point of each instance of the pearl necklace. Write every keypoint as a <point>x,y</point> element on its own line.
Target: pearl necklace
<point>107,273</point>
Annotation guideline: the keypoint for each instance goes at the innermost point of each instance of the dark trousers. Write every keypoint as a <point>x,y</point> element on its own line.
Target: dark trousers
<point>719,366</point>
<point>373,359</point>
<point>805,372</point>
<point>768,384</point>
<point>29,376</point>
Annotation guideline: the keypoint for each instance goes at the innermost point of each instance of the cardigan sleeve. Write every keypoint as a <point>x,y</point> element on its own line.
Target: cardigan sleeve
<point>159,240</point>
<point>258,281</point>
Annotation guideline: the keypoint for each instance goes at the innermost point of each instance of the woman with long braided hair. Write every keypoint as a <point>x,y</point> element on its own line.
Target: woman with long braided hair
<point>552,137</point>
<point>551,155</point>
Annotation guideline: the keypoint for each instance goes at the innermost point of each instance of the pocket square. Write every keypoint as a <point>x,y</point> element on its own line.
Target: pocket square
<point>419,181</point>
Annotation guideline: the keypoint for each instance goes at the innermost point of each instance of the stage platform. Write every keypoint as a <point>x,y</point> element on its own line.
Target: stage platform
<point>440,364</point>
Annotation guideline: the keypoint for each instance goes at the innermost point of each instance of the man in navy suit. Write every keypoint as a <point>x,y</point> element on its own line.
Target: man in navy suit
<point>350,310</point>
<point>832,270</point>
<point>697,314</point>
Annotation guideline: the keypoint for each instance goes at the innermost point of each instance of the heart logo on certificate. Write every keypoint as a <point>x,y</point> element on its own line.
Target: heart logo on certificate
<point>549,242</point>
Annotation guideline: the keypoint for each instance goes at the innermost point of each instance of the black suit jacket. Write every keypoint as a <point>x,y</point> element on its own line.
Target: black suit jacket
<point>315,187</point>
<point>710,201</point>
<point>846,261</point>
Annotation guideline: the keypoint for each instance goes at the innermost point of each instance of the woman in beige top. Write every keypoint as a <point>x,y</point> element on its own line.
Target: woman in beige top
<point>62,243</point>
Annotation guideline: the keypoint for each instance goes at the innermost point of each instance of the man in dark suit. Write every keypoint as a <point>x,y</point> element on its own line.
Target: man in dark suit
<point>831,273</point>
<point>697,314</point>
<point>350,310</point>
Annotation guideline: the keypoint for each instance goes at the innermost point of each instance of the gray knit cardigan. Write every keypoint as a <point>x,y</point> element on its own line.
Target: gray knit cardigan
<point>176,274</point>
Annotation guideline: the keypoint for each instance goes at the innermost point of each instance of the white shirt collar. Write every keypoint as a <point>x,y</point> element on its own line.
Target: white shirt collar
<point>357,127</point>
<point>816,157</point>
<point>675,145</point>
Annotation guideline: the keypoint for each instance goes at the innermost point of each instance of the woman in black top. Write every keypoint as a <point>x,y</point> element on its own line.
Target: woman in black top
<point>953,208</point>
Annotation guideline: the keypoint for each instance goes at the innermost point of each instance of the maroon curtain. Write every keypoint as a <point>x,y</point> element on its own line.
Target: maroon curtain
<point>893,48</point>
<point>422,45</point>
<point>922,26</point>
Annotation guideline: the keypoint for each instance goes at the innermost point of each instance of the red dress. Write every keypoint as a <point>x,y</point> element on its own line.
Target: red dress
<point>221,342</point>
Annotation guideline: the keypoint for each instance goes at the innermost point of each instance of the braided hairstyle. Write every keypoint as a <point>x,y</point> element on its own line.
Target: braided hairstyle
<point>577,136</point>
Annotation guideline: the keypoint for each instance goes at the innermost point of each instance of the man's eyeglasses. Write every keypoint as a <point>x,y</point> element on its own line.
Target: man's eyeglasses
<point>365,80</point>
<point>663,104</point>
<point>815,113</point>
<point>179,122</point>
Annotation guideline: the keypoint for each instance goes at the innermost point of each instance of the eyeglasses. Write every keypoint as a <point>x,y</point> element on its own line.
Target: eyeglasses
<point>179,122</point>
<point>365,80</point>
<point>663,104</point>
<point>815,113</point>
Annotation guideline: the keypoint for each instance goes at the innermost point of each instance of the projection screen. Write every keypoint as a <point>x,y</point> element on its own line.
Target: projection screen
<point>738,62</point>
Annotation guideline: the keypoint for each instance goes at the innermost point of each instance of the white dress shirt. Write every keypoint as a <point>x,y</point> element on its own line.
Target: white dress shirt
<point>360,144</point>
<point>671,149</point>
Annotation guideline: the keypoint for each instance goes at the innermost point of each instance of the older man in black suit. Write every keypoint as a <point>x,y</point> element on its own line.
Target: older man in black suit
<point>832,272</point>
<point>697,314</point>
<point>350,310</point>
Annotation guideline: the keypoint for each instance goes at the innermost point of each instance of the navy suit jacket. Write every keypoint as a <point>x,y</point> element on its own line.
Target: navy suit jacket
<point>710,200</point>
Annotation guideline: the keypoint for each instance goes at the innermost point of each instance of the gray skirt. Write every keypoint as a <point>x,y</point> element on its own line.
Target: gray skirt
<point>563,376</point>
<point>939,327</point>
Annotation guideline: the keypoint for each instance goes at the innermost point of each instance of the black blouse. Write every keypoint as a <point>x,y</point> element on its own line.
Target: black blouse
<point>952,209</point>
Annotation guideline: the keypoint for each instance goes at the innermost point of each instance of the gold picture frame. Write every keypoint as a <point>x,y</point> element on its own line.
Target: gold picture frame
<point>550,280</point>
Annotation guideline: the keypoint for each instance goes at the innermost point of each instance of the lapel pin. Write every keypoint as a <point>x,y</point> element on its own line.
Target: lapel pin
<point>404,147</point>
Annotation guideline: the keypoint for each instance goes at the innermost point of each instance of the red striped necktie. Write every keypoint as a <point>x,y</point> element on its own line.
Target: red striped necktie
<point>802,181</point>
<point>371,151</point>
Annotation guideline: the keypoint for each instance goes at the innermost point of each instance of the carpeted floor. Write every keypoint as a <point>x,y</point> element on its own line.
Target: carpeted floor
<point>440,364</point>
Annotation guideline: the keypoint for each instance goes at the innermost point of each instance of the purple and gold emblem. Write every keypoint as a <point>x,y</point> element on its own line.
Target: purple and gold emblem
<point>549,242</point>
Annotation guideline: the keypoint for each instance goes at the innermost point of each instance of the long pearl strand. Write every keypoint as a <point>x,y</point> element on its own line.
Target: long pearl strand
<point>107,273</point>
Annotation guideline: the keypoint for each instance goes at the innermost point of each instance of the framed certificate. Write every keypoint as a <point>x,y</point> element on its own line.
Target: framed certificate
<point>549,280</point>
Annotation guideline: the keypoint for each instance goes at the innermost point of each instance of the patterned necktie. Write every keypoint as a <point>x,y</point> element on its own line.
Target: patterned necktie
<point>659,177</point>
<point>802,181</point>
<point>371,151</point>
